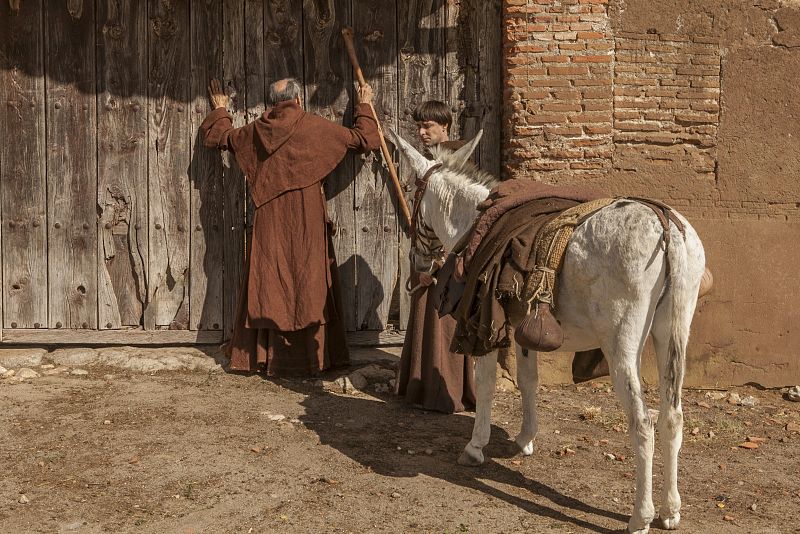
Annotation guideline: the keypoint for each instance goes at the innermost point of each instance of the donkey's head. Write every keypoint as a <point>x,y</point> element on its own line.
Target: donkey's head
<point>449,187</point>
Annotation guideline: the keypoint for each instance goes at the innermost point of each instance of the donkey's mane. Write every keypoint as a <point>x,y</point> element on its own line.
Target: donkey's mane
<point>466,169</point>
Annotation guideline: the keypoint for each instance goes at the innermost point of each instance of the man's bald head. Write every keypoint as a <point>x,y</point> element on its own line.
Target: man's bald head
<point>285,89</point>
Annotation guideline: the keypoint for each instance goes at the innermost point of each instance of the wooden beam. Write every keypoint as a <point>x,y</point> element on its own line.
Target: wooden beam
<point>139,336</point>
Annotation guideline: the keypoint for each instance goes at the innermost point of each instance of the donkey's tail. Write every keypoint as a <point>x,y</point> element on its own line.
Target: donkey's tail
<point>682,291</point>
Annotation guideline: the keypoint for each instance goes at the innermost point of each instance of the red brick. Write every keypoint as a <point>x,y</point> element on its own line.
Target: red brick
<point>572,71</point>
<point>530,48</point>
<point>596,130</point>
<point>640,81</point>
<point>696,118</point>
<point>557,106</point>
<point>627,91</point>
<point>517,82</point>
<point>543,18</point>
<point>698,71</point>
<point>597,106</point>
<point>594,116</point>
<point>554,59</point>
<point>551,118</point>
<point>569,18</point>
<point>547,165</point>
<point>581,26</point>
<point>629,45</point>
<point>567,95</point>
<point>599,46</point>
<point>589,142</point>
<point>550,82</point>
<point>518,71</point>
<point>591,35</point>
<point>591,59</point>
<point>661,92</point>
<point>593,81</point>
<point>637,126</point>
<point>535,94</point>
<point>701,94</point>
<point>597,92</point>
<point>708,82</point>
<point>705,106</point>
<point>674,104</point>
<point>563,130</point>
<point>626,115</point>
<point>675,83</point>
<point>622,67</point>
<point>571,46</point>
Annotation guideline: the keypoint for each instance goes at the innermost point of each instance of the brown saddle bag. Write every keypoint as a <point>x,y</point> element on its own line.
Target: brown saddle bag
<point>539,331</point>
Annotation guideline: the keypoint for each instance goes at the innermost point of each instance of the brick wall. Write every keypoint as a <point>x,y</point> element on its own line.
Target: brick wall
<point>583,102</point>
<point>559,58</point>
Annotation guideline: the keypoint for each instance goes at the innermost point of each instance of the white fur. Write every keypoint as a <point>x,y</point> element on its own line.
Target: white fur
<point>614,290</point>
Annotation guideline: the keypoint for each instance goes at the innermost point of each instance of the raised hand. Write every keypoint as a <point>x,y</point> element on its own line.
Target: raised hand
<point>218,97</point>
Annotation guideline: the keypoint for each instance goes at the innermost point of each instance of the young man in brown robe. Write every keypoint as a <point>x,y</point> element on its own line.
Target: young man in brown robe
<point>289,319</point>
<point>430,376</point>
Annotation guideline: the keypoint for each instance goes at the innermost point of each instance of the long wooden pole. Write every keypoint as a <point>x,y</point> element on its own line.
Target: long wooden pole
<point>347,34</point>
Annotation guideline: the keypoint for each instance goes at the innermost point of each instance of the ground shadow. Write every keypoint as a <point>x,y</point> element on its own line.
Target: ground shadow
<point>379,428</point>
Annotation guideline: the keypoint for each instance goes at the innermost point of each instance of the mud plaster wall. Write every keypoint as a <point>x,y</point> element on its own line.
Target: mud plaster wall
<point>695,103</point>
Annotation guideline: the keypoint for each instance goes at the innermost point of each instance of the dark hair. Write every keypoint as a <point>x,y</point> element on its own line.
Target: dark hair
<point>289,92</point>
<point>433,110</point>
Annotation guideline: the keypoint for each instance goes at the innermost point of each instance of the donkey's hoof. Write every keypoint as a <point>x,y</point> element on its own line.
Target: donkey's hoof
<point>644,530</point>
<point>672,522</point>
<point>471,457</point>
<point>525,447</point>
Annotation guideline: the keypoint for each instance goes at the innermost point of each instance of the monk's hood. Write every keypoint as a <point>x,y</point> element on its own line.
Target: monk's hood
<point>276,125</point>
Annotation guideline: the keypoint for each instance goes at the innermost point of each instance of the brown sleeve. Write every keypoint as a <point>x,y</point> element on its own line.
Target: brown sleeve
<point>218,132</point>
<point>364,133</point>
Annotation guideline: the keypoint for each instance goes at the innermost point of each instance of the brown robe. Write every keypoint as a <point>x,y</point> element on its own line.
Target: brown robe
<point>430,375</point>
<point>288,319</point>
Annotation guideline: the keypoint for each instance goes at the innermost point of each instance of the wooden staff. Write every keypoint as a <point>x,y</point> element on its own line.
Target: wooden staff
<point>347,33</point>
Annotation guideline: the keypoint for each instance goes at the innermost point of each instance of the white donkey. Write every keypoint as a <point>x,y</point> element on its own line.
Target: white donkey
<point>617,285</point>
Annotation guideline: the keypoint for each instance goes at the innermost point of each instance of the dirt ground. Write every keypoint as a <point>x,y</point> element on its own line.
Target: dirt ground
<point>209,453</point>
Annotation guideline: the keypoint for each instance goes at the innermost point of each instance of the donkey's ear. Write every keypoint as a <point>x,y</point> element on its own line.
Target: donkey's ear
<point>465,152</point>
<point>419,163</point>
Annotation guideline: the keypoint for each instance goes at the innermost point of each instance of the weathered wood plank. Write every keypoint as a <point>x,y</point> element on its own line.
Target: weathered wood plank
<point>454,59</point>
<point>283,40</point>
<point>168,161</point>
<point>206,253</point>
<point>138,336</point>
<point>236,17</point>
<point>23,191</point>
<point>122,336</point>
<point>71,163</point>
<point>122,162</point>
<point>489,50</point>
<point>328,81</point>
<point>421,76</point>
<point>375,37</point>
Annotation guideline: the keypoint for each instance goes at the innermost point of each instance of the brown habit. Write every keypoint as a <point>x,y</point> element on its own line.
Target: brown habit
<point>289,319</point>
<point>431,376</point>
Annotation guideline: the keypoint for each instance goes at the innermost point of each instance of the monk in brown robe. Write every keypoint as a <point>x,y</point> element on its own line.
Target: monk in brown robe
<point>289,318</point>
<point>430,376</point>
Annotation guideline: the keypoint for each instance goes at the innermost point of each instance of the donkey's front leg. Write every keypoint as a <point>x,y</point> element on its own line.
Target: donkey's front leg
<point>485,377</point>
<point>528,380</point>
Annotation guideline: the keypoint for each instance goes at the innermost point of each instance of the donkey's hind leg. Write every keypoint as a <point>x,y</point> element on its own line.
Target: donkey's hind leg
<point>528,380</point>
<point>485,377</point>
